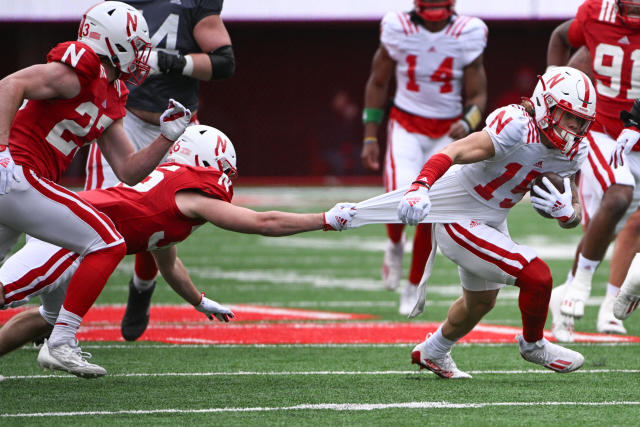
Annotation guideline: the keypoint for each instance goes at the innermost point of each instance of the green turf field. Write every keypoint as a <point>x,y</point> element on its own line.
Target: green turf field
<point>157,383</point>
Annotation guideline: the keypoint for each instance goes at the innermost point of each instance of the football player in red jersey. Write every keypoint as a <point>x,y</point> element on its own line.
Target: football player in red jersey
<point>47,112</point>
<point>192,188</point>
<point>610,30</point>
<point>436,56</point>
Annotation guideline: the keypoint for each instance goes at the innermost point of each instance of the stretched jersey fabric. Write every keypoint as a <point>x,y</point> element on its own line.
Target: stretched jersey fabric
<point>171,25</point>
<point>147,215</point>
<point>485,190</point>
<point>615,49</point>
<point>430,66</point>
<point>46,134</point>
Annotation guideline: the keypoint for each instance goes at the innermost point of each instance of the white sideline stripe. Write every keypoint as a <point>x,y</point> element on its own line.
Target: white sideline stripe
<point>322,406</point>
<point>308,373</point>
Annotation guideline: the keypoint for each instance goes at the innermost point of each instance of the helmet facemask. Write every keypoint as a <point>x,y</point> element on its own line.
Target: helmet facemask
<point>434,11</point>
<point>565,127</point>
<point>629,12</point>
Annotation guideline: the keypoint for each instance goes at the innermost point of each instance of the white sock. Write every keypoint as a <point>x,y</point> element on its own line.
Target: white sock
<point>585,270</point>
<point>65,329</point>
<point>612,291</point>
<point>569,277</point>
<point>141,284</point>
<point>438,344</point>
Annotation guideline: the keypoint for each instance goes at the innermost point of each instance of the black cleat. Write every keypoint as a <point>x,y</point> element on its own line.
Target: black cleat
<point>136,316</point>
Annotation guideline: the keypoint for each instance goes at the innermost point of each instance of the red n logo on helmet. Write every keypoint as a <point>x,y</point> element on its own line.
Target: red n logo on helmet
<point>555,80</point>
<point>133,21</point>
<point>221,143</point>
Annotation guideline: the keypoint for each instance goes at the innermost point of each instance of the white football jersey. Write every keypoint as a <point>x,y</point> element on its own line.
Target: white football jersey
<point>430,66</point>
<point>520,156</point>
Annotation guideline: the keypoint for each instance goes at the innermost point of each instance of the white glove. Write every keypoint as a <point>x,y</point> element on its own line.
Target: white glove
<point>6,170</point>
<point>625,142</point>
<point>212,308</point>
<point>174,120</point>
<point>574,299</point>
<point>553,202</point>
<point>152,62</point>
<point>414,205</point>
<point>339,217</point>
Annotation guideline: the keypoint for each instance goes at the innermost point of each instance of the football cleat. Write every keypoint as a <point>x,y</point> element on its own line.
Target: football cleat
<point>575,298</point>
<point>607,322</point>
<point>561,326</point>
<point>443,367</point>
<point>549,355</point>
<point>69,359</point>
<point>625,304</point>
<point>408,299</point>
<point>136,316</point>
<point>392,264</point>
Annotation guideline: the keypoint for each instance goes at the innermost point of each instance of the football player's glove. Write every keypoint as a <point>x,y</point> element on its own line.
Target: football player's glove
<point>553,202</point>
<point>213,309</point>
<point>625,142</point>
<point>414,205</point>
<point>339,217</point>
<point>6,170</point>
<point>174,120</point>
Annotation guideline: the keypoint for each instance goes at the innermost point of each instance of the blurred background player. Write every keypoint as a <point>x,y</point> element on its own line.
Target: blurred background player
<point>610,30</point>
<point>77,97</point>
<point>190,44</point>
<point>437,59</point>
<point>192,188</point>
<point>518,143</point>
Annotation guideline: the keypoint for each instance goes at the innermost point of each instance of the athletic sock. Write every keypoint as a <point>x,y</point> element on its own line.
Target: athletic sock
<point>612,290</point>
<point>438,345</point>
<point>65,328</point>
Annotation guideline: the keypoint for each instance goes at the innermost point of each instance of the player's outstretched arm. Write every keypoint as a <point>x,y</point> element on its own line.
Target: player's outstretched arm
<point>22,328</point>
<point>271,223</point>
<point>176,275</point>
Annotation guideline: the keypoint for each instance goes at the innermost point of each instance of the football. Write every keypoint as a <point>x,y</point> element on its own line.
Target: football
<point>555,179</point>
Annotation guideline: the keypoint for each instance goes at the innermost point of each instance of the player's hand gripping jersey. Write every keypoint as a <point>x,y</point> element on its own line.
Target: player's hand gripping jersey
<point>430,66</point>
<point>615,52</point>
<point>45,135</point>
<point>502,181</point>
<point>147,215</point>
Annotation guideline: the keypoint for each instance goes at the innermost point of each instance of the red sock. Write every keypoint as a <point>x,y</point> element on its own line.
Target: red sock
<point>421,251</point>
<point>145,266</point>
<point>535,283</point>
<point>394,231</point>
<point>90,277</point>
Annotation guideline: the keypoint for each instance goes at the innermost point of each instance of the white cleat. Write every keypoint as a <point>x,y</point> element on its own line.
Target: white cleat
<point>444,367</point>
<point>69,359</point>
<point>607,323</point>
<point>625,304</point>
<point>549,355</point>
<point>408,299</point>
<point>392,264</point>
<point>575,298</point>
<point>561,326</point>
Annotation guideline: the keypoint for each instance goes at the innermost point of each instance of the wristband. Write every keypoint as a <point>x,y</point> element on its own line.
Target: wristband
<point>472,117</point>
<point>435,167</point>
<point>370,140</point>
<point>372,115</point>
<point>188,66</point>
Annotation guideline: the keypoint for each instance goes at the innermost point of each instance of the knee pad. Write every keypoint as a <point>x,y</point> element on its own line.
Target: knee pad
<point>536,274</point>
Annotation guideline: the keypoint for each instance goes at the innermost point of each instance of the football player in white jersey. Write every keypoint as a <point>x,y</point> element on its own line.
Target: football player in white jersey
<point>437,58</point>
<point>519,142</point>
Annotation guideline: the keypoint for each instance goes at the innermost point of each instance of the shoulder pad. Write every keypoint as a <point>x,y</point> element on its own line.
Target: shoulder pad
<point>78,56</point>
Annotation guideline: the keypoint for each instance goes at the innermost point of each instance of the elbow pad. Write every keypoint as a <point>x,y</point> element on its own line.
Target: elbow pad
<point>223,63</point>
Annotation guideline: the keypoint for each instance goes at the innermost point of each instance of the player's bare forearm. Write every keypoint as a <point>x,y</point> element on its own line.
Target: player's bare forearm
<point>559,48</point>
<point>473,148</point>
<point>276,223</point>
<point>475,84</point>
<point>22,328</point>
<point>176,274</point>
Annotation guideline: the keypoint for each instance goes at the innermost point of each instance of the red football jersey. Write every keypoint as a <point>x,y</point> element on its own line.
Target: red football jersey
<point>147,215</point>
<point>46,134</point>
<point>615,52</point>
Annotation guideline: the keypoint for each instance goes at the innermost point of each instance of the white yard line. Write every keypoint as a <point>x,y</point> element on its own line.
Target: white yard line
<point>325,406</point>
<point>321,373</point>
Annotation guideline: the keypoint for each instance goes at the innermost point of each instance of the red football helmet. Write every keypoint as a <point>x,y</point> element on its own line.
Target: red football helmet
<point>629,12</point>
<point>434,10</point>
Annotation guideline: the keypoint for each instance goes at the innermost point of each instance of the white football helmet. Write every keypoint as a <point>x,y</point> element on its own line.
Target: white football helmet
<point>565,106</point>
<point>205,146</point>
<point>119,32</point>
